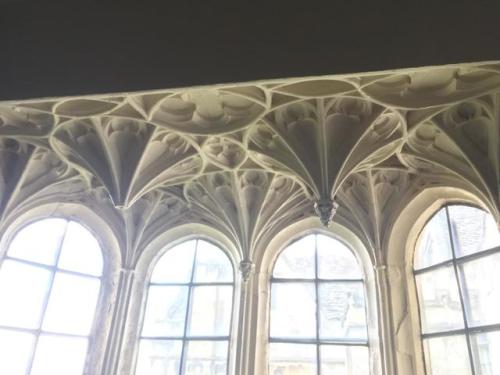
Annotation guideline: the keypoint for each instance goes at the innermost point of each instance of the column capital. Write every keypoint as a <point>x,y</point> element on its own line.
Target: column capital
<point>126,271</point>
<point>381,268</point>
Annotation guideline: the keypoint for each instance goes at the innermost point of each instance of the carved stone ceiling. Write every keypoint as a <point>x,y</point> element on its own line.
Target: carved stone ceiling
<point>249,159</point>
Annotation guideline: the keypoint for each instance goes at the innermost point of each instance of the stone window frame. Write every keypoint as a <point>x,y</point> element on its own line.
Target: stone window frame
<point>115,350</point>
<point>407,354</point>
<point>262,288</point>
<point>79,213</point>
<point>141,280</point>
<point>455,262</point>
<point>316,281</point>
<point>191,285</point>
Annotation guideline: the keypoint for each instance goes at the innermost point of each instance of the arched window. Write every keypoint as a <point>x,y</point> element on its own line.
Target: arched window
<point>457,274</point>
<point>318,315</point>
<point>187,319</point>
<point>49,289</point>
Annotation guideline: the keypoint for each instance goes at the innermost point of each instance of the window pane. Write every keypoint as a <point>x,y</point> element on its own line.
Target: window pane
<point>440,308</point>
<point>482,281</point>
<point>293,310</point>
<point>159,357</point>
<point>206,358</point>
<point>344,360</point>
<point>15,351</point>
<point>165,311</point>
<point>59,356</point>
<point>335,260</point>
<point>72,304</point>
<point>212,265</point>
<point>342,311</point>
<point>297,260</point>
<point>80,251</point>
<point>485,351</point>
<point>39,241</point>
<point>210,311</point>
<point>292,359</point>
<point>434,246</point>
<point>473,230</point>
<point>447,356</point>
<point>175,265</point>
<point>23,289</point>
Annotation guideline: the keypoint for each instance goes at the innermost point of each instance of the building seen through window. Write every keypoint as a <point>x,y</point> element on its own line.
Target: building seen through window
<point>51,293</point>
<point>457,272</point>
<point>318,313</point>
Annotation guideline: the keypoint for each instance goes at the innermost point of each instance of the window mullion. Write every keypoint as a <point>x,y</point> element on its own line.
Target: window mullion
<point>188,307</point>
<point>316,286</point>
<point>304,345</point>
<point>231,323</point>
<point>31,263</point>
<point>461,291</point>
<point>433,267</point>
<point>478,255</point>
<point>47,297</point>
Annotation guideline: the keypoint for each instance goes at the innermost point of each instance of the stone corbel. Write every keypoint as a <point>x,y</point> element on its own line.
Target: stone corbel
<point>326,209</point>
<point>247,268</point>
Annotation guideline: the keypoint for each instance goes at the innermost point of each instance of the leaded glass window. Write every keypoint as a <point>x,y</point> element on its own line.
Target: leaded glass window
<point>187,319</point>
<point>457,273</point>
<point>50,281</point>
<point>318,313</point>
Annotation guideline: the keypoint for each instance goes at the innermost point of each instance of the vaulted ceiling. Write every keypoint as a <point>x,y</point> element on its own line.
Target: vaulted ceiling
<point>251,158</point>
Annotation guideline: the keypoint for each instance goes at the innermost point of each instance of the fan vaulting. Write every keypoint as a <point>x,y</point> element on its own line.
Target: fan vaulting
<point>250,159</point>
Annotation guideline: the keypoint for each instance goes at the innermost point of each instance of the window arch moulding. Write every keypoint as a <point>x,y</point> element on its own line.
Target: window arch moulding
<point>141,278</point>
<point>81,222</point>
<point>403,237</point>
<point>182,330</point>
<point>263,274</point>
<point>456,268</point>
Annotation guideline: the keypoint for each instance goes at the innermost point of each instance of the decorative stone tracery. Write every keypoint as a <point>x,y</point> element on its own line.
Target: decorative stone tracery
<point>250,159</point>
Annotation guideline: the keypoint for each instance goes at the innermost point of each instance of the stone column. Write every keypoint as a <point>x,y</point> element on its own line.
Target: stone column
<point>386,334</point>
<point>120,311</point>
<point>245,338</point>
